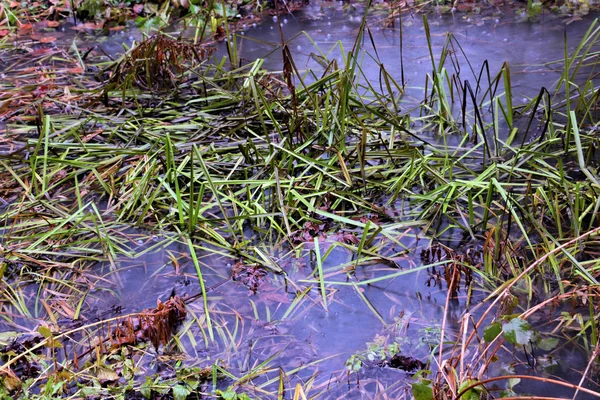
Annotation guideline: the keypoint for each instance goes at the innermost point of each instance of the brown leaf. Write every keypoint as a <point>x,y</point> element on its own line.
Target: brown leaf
<point>10,380</point>
<point>88,26</point>
<point>219,33</point>
<point>25,28</point>
<point>47,39</point>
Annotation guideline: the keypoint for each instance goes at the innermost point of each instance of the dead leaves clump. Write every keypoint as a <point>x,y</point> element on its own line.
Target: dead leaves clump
<point>156,63</point>
<point>251,275</point>
<point>156,326</point>
<point>458,267</point>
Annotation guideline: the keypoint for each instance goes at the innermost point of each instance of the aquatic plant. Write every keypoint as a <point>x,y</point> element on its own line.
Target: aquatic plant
<point>253,180</point>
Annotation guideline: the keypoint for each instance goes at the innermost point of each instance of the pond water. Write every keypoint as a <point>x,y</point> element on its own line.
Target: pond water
<point>533,50</point>
<point>528,47</point>
<point>279,318</point>
<point>263,316</point>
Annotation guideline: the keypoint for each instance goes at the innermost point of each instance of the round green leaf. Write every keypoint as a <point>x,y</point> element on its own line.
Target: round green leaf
<point>517,331</point>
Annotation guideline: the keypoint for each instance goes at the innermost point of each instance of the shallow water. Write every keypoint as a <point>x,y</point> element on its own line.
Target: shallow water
<point>407,310</point>
<point>326,28</point>
<point>526,46</point>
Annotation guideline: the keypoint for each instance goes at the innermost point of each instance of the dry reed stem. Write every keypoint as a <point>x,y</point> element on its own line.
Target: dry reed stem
<point>498,294</point>
<point>504,290</point>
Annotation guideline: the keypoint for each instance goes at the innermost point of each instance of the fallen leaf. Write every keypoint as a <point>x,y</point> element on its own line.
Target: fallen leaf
<point>47,39</point>
<point>4,32</point>
<point>105,374</point>
<point>10,380</point>
<point>53,24</point>
<point>25,27</point>
<point>87,26</point>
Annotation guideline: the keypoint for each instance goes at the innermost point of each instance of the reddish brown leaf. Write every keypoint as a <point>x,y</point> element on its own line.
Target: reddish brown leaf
<point>87,26</point>
<point>24,28</point>
<point>47,39</point>
<point>219,33</point>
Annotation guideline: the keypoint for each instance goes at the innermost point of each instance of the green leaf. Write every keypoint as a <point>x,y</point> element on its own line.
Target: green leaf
<point>51,342</point>
<point>512,382</point>
<point>90,391</point>
<point>146,388</point>
<point>549,364</point>
<point>508,393</point>
<point>517,331</point>
<point>422,391</point>
<point>192,383</point>
<point>471,394</point>
<point>492,331</point>
<point>229,12</point>
<point>45,331</point>
<point>194,9</point>
<point>7,337</point>
<point>105,374</point>
<point>181,392</point>
<point>548,344</point>
<point>228,394</point>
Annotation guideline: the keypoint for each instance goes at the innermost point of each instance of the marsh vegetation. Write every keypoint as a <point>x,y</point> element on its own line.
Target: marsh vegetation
<point>176,224</point>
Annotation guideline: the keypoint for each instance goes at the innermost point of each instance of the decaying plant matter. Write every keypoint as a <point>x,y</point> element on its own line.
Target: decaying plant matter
<point>158,63</point>
<point>156,325</point>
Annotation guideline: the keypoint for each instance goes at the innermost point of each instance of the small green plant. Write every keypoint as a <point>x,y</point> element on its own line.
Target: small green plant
<point>517,331</point>
<point>377,351</point>
<point>422,388</point>
<point>231,394</point>
<point>534,8</point>
<point>429,337</point>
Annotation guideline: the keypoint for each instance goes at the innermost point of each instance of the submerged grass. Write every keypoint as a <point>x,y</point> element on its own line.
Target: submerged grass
<point>237,166</point>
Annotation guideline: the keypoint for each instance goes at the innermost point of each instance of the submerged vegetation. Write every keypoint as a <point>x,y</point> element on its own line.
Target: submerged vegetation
<point>246,184</point>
